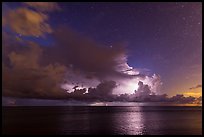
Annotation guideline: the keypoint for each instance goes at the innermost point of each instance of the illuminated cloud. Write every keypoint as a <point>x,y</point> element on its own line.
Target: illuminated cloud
<point>27,22</point>
<point>43,6</point>
<point>26,77</point>
<point>74,67</point>
<point>87,69</point>
<point>143,90</point>
<point>88,64</point>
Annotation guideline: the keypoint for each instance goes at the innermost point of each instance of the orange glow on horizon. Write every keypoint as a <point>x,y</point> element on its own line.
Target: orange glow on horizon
<point>195,92</point>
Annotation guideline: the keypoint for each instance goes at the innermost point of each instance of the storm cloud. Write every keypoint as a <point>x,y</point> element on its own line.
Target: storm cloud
<point>34,71</point>
<point>74,67</point>
<point>25,77</point>
<point>83,53</point>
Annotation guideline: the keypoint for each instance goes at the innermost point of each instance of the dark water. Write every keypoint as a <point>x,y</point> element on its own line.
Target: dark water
<point>102,120</point>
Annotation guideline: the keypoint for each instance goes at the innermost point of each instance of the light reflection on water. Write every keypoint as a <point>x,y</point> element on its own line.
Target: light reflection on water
<point>130,122</point>
<point>103,120</point>
<point>114,120</point>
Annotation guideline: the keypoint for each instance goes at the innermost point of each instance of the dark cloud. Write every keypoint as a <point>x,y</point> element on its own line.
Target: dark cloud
<point>199,100</point>
<point>179,98</point>
<point>84,54</point>
<point>13,101</point>
<point>102,92</point>
<point>24,76</point>
<point>27,74</point>
<point>198,86</point>
<point>103,89</point>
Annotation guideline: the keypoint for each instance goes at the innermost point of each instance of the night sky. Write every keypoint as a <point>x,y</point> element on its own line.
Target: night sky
<point>90,51</point>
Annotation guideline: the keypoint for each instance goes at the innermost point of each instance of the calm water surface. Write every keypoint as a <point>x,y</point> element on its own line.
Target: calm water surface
<point>154,120</point>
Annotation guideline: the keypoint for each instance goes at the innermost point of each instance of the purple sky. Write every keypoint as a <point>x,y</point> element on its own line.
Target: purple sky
<point>93,45</point>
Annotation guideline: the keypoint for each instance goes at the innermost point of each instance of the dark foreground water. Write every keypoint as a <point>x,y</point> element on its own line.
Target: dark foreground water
<point>102,120</point>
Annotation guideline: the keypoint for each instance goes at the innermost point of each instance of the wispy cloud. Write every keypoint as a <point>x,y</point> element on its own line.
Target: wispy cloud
<point>28,22</point>
<point>198,86</point>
